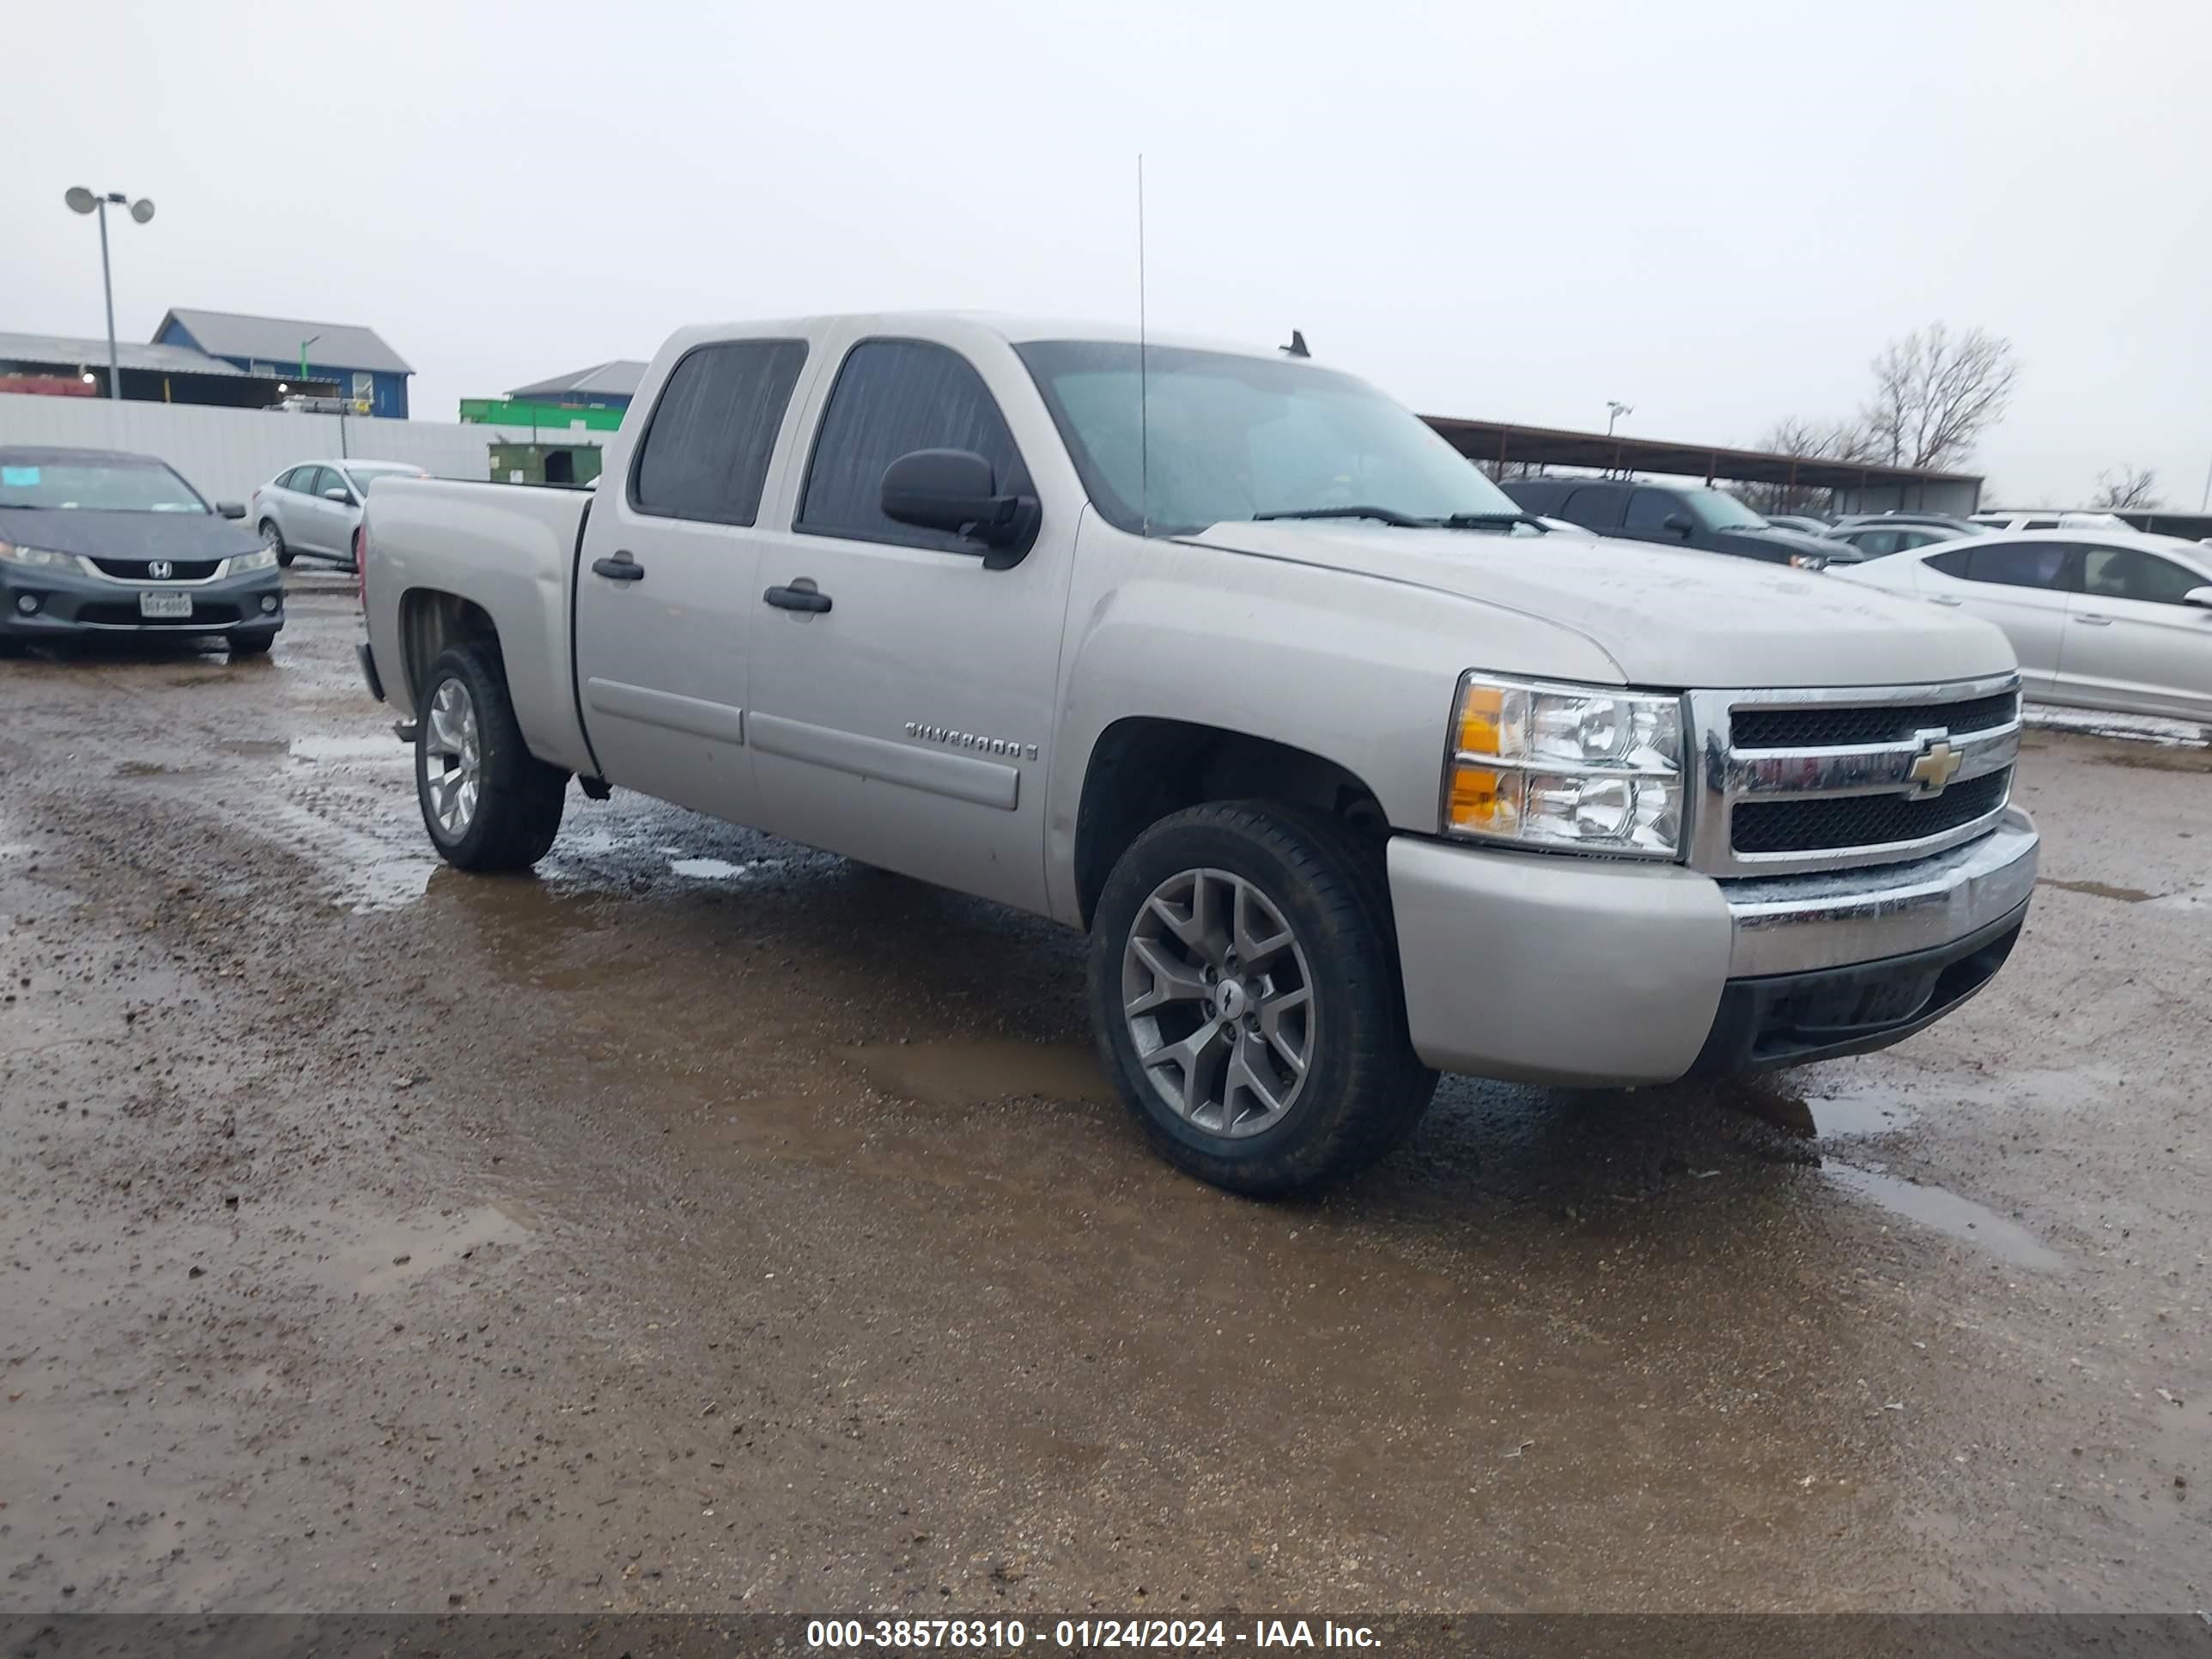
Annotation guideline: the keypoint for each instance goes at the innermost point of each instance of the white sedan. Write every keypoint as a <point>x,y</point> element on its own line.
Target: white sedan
<point>2100,618</point>
<point>314,507</point>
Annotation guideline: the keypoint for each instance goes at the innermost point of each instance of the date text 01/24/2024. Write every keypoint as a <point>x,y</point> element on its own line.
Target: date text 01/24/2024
<point>831,1634</point>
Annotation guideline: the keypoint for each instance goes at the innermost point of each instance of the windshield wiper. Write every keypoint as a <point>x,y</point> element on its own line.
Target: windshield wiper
<point>1384,514</point>
<point>1484,520</point>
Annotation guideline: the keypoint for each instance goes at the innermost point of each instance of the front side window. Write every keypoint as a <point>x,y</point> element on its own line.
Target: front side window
<point>98,486</point>
<point>2129,572</point>
<point>894,397</point>
<point>1595,507</point>
<point>706,454</point>
<point>1648,511</point>
<point>1188,438</point>
<point>1717,509</point>
<point>2020,564</point>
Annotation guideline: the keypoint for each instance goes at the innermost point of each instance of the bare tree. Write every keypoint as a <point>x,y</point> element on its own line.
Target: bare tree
<point>2130,486</point>
<point>1936,393</point>
<point>1812,441</point>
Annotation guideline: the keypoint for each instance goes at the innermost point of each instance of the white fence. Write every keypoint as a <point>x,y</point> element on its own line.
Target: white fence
<point>226,454</point>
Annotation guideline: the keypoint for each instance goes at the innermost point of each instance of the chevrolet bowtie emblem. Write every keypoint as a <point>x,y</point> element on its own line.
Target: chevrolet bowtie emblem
<point>1937,764</point>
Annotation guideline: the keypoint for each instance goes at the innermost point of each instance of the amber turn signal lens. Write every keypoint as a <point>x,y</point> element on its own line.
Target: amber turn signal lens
<point>1481,708</point>
<point>1485,801</point>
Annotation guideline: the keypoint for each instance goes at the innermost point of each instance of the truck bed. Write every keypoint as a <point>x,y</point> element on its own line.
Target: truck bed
<point>510,549</point>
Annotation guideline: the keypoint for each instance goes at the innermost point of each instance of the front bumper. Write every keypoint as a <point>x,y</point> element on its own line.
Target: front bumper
<point>67,604</point>
<point>1561,969</point>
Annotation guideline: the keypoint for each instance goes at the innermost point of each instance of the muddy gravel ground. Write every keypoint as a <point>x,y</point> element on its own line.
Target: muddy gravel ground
<point>708,1223</point>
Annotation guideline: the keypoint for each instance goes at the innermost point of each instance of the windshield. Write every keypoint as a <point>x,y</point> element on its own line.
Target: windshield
<point>106,486</point>
<point>1718,510</point>
<point>1222,437</point>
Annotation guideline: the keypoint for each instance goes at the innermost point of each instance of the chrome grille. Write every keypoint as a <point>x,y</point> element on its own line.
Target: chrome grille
<point>1820,824</point>
<point>1829,728</point>
<point>1827,780</point>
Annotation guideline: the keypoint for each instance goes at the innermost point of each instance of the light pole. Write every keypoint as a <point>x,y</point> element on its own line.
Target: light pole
<point>1613,410</point>
<point>82,200</point>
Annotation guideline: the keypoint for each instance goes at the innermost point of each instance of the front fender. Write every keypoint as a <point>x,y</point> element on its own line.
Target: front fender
<point>1358,669</point>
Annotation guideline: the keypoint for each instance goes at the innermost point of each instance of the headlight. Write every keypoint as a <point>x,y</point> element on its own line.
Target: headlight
<point>260,559</point>
<point>38,555</point>
<point>1566,766</point>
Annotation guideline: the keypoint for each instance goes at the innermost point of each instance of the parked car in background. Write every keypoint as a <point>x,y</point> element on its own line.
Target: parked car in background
<point>1350,771</point>
<point>1674,516</point>
<point>2050,519</point>
<point>1878,541</point>
<point>1957,527</point>
<point>314,507</point>
<point>2102,619</point>
<point>1798,521</point>
<point>97,541</point>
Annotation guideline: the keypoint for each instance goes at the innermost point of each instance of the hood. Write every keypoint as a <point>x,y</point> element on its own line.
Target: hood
<point>105,535</point>
<point>1669,616</point>
<point>1798,541</point>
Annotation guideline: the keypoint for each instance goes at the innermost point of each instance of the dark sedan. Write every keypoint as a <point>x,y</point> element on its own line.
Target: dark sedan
<point>1675,515</point>
<point>97,541</point>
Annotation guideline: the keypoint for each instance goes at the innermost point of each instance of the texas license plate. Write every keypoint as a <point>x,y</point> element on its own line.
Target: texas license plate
<point>167,606</point>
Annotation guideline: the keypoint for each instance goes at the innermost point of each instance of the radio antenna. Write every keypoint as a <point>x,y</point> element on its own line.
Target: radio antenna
<point>1143,388</point>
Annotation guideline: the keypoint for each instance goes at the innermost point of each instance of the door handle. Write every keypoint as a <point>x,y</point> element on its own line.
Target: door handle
<point>797,599</point>
<point>2093,620</point>
<point>623,567</point>
<point>1943,598</point>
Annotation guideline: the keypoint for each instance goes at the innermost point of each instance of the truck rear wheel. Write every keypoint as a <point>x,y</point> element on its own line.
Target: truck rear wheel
<point>1243,983</point>
<point>488,802</point>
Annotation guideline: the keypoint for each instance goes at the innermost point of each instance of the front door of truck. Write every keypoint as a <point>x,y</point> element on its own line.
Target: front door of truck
<point>903,695</point>
<point>667,594</point>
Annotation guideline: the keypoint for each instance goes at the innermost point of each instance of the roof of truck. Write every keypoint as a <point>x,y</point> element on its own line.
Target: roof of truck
<point>1013,327</point>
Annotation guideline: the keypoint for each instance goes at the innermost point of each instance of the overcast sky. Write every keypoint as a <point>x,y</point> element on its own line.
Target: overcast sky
<point>1715,212</point>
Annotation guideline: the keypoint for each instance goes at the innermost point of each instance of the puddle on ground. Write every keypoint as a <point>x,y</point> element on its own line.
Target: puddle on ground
<point>1858,1116</point>
<point>707,869</point>
<point>2098,890</point>
<point>381,747</point>
<point>1947,1213</point>
<point>389,1253</point>
<point>960,1074</point>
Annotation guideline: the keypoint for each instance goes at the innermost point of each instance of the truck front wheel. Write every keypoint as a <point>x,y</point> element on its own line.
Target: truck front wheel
<point>1243,983</point>
<point>488,802</point>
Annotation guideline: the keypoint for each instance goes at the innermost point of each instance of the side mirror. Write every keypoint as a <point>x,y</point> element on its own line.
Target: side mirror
<point>231,509</point>
<point>342,496</point>
<point>955,489</point>
<point>1680,525</point>
<point>2199,596</point>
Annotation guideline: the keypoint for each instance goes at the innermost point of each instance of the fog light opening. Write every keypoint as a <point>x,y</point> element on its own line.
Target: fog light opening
<point>268,602</point>
<point>27,603</point>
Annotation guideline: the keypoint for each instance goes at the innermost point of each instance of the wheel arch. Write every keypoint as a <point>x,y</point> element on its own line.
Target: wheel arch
<point>1143,767</point>
<point>433,621</point>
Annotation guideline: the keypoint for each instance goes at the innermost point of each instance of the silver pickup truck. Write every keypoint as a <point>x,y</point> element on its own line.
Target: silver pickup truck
<point>1351,771</point>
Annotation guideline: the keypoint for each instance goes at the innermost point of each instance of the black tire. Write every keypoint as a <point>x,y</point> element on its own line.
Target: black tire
<point>519,798</point>
<point>1364,1089</point>
<point>250,645</point>
<point>275,537</point>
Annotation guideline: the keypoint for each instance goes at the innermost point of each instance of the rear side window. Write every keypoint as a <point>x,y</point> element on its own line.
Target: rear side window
<point>1952,563</point>
<point>2127,573</point>
<point>1594,508</point>
<point>893,396</point>
<point>2020,564</point>
<point>706,454</point>
<point>1650,509</point>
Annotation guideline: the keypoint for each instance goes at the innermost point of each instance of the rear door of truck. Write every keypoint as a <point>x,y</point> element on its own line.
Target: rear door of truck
<point>667,589</point>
